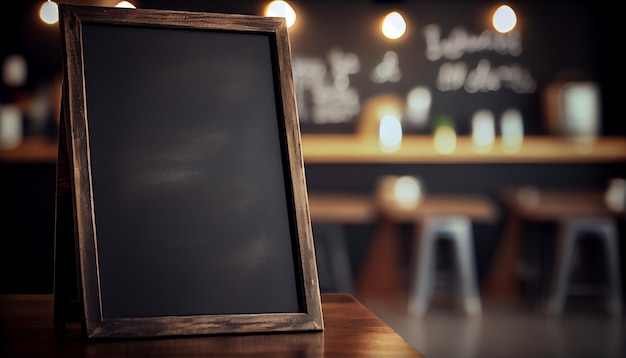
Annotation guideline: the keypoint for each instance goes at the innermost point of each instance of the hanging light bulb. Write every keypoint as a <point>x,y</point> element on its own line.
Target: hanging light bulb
<point>49,12</point>
<point>504,19</point>
<point>125,5</point>
<point>281,9</point>
<point>393,25</point>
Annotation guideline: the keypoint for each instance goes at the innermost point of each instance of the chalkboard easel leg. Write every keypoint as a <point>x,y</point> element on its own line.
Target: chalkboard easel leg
<point>65,288</point>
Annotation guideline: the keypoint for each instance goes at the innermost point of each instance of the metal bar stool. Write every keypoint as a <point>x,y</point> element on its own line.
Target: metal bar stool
<point>332,249</point>
<point>457,229</point>
<point>603,228</point>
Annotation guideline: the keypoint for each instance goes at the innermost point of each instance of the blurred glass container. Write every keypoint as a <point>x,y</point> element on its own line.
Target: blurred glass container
<point>615,195</point>
<point>572,109</point>
<point>11,126</point>
<point>399,191</point>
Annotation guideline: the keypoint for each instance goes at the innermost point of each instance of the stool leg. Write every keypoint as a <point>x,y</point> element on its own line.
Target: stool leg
<point>565,253</point>
<point>614,299</point>
<point>467,267</point>
<point>422,272</point>
<point>340,259</point>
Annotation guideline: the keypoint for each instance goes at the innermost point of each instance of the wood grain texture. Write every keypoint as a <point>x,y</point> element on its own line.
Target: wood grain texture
<point>179,19</point>
<point>351,331</point>
<point>79,152</point>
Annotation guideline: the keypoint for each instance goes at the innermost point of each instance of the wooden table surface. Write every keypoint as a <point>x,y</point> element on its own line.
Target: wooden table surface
<point>381,273</point>
<point>332,208</point>
<point>366,209</point>
<point>350,330</point>
<point>477,208</point>
<point>548,205</point>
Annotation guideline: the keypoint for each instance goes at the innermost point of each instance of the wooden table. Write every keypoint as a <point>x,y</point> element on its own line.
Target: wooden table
<point>333,208</point>
<point>330,212</point>
<point>532,204</point>
<point>351,330</point>
<point>477,208</point>
<point>381,273</point>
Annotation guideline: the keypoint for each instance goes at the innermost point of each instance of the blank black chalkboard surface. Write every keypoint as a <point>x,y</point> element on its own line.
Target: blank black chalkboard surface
<point>180,179</point>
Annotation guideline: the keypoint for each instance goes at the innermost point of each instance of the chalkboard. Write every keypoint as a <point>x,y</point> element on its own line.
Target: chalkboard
<point>181,174</point>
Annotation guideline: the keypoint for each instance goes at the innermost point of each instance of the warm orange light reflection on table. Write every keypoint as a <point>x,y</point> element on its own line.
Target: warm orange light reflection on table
<point>351,330</point>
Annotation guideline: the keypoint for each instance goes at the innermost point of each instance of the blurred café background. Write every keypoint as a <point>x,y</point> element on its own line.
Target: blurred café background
<point>497,130</point>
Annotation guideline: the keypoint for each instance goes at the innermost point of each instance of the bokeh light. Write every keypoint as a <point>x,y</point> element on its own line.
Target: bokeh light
<point>393,25</point>
<point>418,102</point>
<point>445,139</point>
<point>125,5</point>
<point>483,130</point>
<point>281,9</point>
<point>407,191</point>
<point>14,71</point>
<point>504,19</point>
<point>49,12</point>
<point>390,134</point>
<point>512,129</point>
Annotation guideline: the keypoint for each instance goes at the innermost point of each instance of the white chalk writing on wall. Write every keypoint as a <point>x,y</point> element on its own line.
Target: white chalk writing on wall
<point>388,70</point>
<point>324,95</point>
<point>454,76</point>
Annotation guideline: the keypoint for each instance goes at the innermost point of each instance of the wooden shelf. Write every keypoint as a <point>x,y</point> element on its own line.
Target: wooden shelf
<point>421,149</point>
<point>31,150</point>
<point>346,148</point>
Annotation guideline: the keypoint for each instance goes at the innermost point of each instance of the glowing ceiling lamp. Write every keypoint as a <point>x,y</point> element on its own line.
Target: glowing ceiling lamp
<point>125,5</point>
<point>393,25</point>
<point>504,19</point>
<point>49,12</point>
<point>281,9</point>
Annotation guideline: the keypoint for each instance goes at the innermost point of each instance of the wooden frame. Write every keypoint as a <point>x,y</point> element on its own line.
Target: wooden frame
<point>97,161</point>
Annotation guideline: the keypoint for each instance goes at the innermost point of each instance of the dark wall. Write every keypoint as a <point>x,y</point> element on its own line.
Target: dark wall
<point>557,37</point>
<point>27,203</point>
